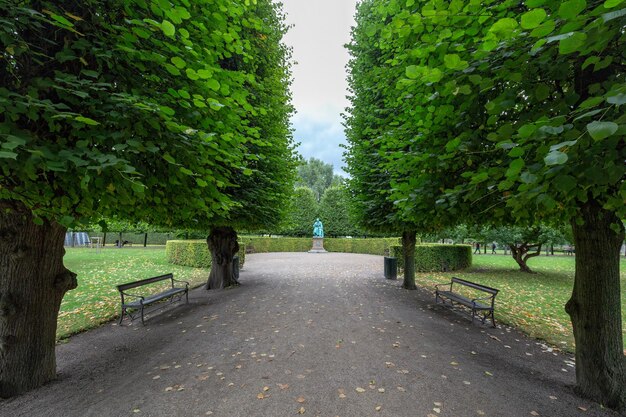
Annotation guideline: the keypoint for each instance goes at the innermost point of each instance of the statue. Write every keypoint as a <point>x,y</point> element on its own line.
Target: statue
<point>318,228</point>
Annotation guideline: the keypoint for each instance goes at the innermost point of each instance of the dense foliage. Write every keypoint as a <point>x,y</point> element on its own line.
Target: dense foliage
<point>303,210</point>
<point>131,107</point>
<point>334,209</point>
<point>317,175</point>
<point>195,253</point>
<point>173,113</point>
<point>437,258</point>
<point>504,111</point>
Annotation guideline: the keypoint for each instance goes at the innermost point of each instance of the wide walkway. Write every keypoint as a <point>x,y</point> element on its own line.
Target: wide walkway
<point>312,334</point>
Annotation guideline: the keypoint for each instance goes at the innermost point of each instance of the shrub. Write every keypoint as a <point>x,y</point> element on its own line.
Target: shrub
<point>195,253</point>
<point>377,246</point>
<point>437,258</point>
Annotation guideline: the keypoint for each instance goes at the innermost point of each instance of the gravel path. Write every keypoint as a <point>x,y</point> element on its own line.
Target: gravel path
<point>313,334</point>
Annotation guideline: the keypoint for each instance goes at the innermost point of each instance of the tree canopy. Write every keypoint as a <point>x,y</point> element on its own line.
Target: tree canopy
<point>174,113</point>
<point>317,175</point>
<point>507,112</point>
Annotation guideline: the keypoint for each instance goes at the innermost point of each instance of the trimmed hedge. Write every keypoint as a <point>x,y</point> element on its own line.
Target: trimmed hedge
<point>437,258</point>
<point>375,246</point>
<point>195,253</point>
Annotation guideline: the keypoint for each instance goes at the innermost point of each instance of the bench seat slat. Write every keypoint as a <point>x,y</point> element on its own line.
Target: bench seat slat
<point>463,300</point>
<point>154,298</point>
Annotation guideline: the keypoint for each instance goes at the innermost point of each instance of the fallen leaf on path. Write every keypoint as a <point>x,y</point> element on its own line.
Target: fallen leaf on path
<point>283,386</point>
<point>552,397</point>
<point>401,389</point>
<point>301,410</point>
<point>260,395</point>
<point>534,413</point>
<point>301,399</point>
<point>581,408</point>
<point>378,408</point>
<point>265,389</point>
<point>359,389</point>
<point>381,390</point>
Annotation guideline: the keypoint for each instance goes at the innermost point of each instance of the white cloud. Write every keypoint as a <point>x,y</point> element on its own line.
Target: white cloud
<point>321,29</point>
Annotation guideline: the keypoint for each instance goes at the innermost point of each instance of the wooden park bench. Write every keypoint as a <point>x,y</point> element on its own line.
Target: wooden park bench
<point>141,301</point>
<point>484,305</point>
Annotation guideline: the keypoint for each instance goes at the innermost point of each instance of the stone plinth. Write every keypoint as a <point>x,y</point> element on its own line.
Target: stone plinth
<point>318,245</point>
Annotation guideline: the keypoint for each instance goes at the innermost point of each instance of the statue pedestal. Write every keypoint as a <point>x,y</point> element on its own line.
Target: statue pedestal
<point>318,245</point>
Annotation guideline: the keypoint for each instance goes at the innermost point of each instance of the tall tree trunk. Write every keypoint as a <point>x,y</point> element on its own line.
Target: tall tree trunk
<point>33,281</point>
<point>104,239</point>
<point>145,240</point>
<point>408,252</point>
<point>595,307</point>
<point>223,245</point>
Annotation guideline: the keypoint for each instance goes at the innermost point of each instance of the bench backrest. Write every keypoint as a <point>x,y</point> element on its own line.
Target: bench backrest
<point>474,285</point>
<point>146,281</point>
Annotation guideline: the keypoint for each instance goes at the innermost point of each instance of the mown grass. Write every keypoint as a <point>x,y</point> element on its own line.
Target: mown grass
<point>96,300</point>
<point>534,303</point>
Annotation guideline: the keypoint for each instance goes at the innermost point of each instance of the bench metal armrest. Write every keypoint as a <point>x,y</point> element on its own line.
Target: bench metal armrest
<point>134,295</point>
<point>178,280</point>
<point>449,284</point>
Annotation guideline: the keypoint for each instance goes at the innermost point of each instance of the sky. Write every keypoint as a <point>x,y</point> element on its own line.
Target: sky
<point>320,30</point>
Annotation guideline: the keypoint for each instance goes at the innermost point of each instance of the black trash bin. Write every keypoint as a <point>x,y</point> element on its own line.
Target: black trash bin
<point>236,267</point>
<point>391,267</point>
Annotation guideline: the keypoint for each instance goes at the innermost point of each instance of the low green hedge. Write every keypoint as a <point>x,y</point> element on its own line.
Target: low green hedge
<point>195,253</point>
<point>437,258</point>
<point>374,246</point>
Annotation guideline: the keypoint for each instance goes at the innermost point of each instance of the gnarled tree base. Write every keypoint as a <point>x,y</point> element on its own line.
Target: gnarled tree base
<point>223,245</point>
<point>33,281</point>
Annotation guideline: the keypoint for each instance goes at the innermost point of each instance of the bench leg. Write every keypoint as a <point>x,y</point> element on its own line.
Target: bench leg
<point>187,296</point>
<point>142,321</point>
<point>122,315</point>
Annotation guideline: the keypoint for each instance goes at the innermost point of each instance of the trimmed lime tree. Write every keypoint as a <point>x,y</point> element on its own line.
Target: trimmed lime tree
<point>509,111</point>
<point>125,109</point>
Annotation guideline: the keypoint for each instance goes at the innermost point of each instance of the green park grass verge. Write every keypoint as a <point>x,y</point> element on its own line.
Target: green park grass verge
<point>533,303</point>
<point>96,300</point>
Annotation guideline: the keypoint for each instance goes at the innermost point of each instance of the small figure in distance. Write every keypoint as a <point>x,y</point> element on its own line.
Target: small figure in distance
<point>493,248</point>
<point>477,248</point>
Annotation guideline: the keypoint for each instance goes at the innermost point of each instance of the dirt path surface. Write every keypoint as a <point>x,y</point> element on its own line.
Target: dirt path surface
<point>312,334</point>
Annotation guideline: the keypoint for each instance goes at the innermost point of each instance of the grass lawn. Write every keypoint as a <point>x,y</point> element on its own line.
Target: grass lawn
<point>534,303</point>
<point>96,300</point>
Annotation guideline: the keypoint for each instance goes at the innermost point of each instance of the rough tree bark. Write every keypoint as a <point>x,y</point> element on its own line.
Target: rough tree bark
<point>408,252</point>
<point>33,281</point>
<point>223,245</point>
<point>521,253</point>
<point>595,307</point>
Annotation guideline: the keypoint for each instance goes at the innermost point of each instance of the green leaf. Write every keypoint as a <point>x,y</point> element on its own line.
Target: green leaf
<point>528,178</point>
<point>617,99</point>
<point>572,8</point>
<point>607,17</point>
<point>555,158</point>
<point>504,27</point>
<point>213,84</point>
<point>572,43</point>
<point>601,130</point>
<point>516,152</point>
<point>609,4</point>
<point>565,183</point>
<point>413,72</point>
<point>533,18</point>
<point>8,155</point>
<point>453,61</point>
<point>179,62</point>
<point>168,28</point>
<point>86,120</point>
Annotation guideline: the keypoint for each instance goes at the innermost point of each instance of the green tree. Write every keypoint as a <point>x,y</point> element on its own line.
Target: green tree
<point>153,112</point>
<point>335,212</point>
<point>303,210</point>
<point>317,175</point>
<point>367,124</point>
<point>515,111</point>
